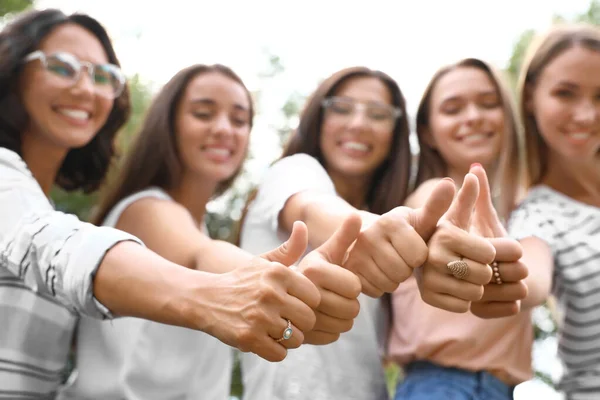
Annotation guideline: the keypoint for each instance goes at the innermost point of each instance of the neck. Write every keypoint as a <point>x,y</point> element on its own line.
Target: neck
<point>352,189</point>
<point>580,181</point>
<point>43,161</point>
<point>194,194</point>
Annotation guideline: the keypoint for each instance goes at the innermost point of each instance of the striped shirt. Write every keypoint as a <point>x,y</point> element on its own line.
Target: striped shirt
<point>47,263</point>
<point>572,231</point>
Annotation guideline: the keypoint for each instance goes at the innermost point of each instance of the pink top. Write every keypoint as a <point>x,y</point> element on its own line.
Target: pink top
<point>501,346</point>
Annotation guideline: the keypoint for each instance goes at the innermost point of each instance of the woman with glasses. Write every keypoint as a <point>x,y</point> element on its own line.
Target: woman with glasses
<point>466,116</point>
<point>62,100</point>
<point>350,152</point>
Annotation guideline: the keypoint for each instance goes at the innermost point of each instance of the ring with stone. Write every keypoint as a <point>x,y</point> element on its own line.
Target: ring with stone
<point>287,332</point>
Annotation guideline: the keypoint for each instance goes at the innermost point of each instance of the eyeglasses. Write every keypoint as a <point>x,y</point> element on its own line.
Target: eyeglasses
<point>108,79</point>
<point>376,113</point>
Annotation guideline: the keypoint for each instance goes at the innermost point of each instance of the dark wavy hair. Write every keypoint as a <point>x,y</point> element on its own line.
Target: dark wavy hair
<point>153,159</point>
<point>83,168</point>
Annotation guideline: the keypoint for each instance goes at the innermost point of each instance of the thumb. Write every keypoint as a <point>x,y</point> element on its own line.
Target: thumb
<point>290,251</point>
<point>436,205</point>
<point>485,213</point>
<point>335,248</point>
<point>462,206</point>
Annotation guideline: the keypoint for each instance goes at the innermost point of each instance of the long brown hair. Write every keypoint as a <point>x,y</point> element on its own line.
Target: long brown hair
<point>83,168</point>
<point>153,159</point>
<point>507,177</point>
<point>542,51</point>
<point>389,186</point>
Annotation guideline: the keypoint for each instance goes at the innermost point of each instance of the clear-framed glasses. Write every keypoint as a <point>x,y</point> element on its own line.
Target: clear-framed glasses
<point>376,113</point>
<point>108,79</point>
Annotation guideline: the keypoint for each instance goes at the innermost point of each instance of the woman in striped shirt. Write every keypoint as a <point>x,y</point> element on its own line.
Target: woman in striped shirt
<point>558,223</point>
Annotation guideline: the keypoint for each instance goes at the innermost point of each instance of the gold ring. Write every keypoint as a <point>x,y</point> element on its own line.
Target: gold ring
<point>458,268</point>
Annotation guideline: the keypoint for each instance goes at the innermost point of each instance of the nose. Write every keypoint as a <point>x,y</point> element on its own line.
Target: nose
<point>84,85</point>
<point>358,118</point>
<point>222,125</point>
<point>586,112</point>
<point>473,114</point>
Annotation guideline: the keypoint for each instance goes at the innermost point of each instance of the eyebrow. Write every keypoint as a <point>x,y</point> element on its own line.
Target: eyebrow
<point>370,103</point>
<point>479,94</point>
<point>568,84</point>
<point>211,102</point>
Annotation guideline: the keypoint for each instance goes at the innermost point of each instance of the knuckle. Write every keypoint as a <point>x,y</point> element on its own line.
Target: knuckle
<point>522,291</point>
<point>460,307</point>
<point>386,222</point>
<point>434,258</point>
<point>419,258</point>
<point>267,294</point>
<point>276,272</point>
<point>246,339</point>
<point>390,287</point>
<point>278,356</point>
<point>346,325</point>
<point>354,286</point>
<point>308,322</point>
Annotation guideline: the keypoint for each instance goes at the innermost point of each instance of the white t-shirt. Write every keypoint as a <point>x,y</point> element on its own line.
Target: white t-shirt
<point>137,359</point>
<point>350,368</point>
<point>572,231</point>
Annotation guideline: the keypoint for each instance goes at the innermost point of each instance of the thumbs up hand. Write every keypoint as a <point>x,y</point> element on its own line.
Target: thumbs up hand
<point>387,251</point>
<point>457,266</point>
<point>339,287</point>
<point>502,296</point>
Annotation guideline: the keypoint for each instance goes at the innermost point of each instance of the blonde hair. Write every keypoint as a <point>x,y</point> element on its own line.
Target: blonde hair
<point>507,178</point>
<point>541,52</point>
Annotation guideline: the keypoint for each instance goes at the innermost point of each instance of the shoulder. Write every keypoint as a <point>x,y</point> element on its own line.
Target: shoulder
<point>300,160</point>
<point>156,209</point>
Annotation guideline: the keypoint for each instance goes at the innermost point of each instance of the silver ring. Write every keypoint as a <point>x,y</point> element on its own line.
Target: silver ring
<point>496,270</point>
<point>287,332</point>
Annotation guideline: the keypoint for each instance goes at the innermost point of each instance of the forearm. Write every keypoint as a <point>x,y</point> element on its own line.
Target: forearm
<point>133,281</point>
<point>220,257</point>
<point>323,215</point>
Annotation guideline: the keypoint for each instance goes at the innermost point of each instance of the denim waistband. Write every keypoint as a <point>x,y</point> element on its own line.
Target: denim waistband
<point>480,378</point>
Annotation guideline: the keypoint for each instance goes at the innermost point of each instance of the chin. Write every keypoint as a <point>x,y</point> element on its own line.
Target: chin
<point>76,141</point>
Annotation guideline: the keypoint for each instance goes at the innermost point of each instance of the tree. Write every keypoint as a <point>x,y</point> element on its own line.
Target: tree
<point>11,7</point>
<point>591,16</point>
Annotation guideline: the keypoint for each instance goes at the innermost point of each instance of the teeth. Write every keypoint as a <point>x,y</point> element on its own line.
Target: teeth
<point>76,114</point>
<point>355,146</point>
<point>580,136</point>
<point>218,151</point>
<point>475,137</point>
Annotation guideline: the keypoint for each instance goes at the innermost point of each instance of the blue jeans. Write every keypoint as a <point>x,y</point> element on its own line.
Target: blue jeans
<point>427,381</point>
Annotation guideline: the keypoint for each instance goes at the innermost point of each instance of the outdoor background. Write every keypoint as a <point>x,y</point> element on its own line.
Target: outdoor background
<point>283,49</point>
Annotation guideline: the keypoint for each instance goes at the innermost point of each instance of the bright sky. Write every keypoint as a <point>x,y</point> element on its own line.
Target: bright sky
<point>407,39</point>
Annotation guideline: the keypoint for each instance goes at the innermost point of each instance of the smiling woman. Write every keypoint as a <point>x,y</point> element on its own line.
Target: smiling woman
<point>190,148</point>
